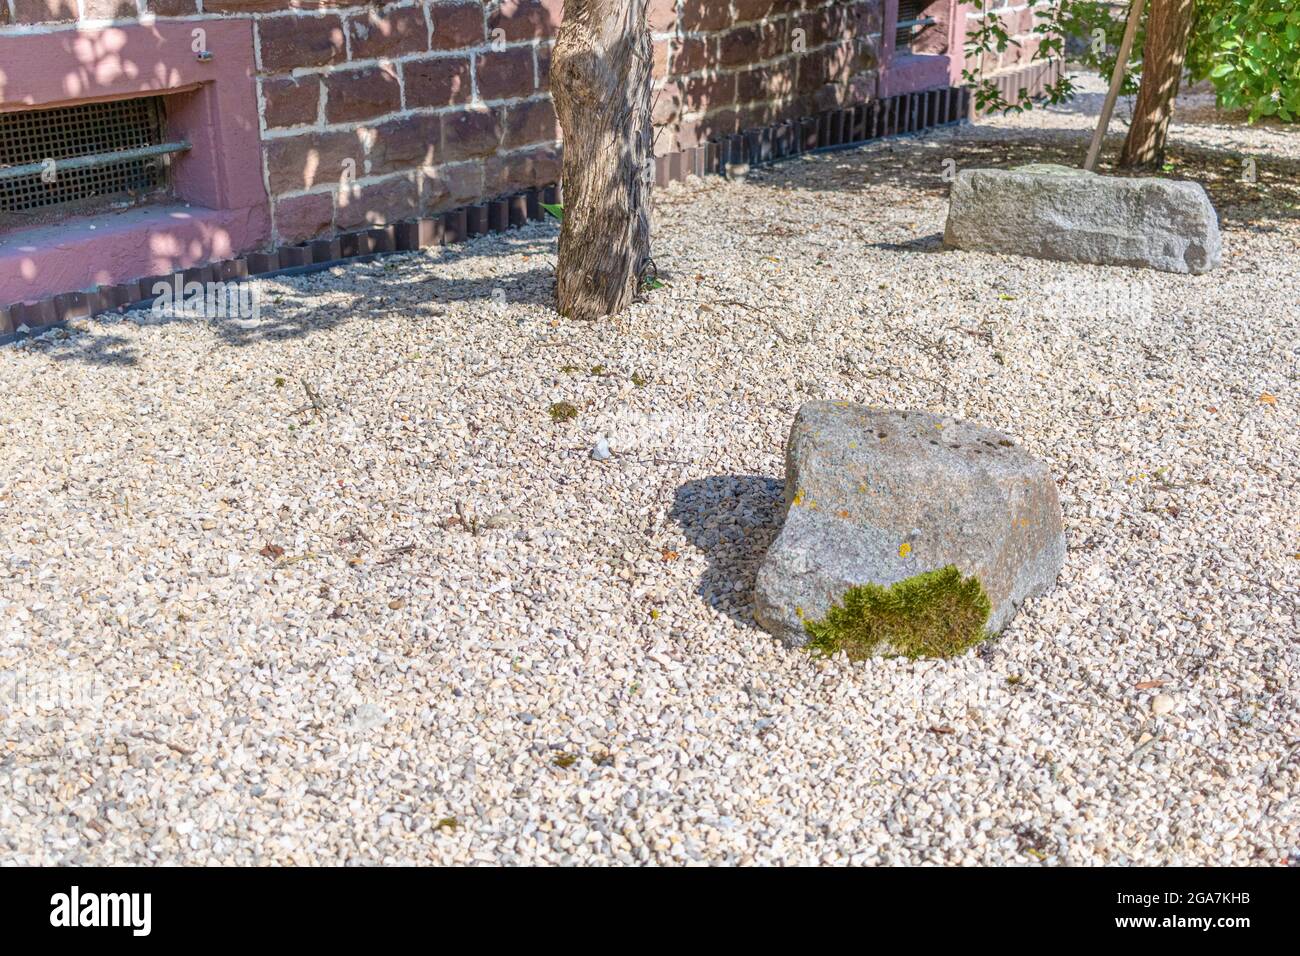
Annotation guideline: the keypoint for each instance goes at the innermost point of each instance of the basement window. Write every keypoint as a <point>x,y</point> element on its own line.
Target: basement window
<point>73,159</point>
<point>911,21</point>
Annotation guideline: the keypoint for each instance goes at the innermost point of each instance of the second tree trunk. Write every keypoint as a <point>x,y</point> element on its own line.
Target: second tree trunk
<point>1169,25</point>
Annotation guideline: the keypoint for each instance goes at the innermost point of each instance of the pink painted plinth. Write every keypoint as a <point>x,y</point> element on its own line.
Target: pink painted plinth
<point>131,244</point>
<point>911,74</point>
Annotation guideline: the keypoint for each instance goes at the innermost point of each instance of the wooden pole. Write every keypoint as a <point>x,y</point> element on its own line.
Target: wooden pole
<point>1116,81</point>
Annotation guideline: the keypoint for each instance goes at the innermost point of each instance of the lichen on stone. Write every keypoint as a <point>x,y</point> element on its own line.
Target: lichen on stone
<point>933,614</point>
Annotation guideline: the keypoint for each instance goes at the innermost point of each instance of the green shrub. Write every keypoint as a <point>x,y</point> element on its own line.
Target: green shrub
<point>934,614</point>
<point>1248,49</point>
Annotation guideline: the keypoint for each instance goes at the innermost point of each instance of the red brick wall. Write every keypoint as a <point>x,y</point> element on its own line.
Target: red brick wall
<point>721,67</point>
<point>380,111</point>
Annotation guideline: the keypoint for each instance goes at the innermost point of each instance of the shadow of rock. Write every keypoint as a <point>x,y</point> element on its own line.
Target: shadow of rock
<point>930,243</point>
<point>732,519</point>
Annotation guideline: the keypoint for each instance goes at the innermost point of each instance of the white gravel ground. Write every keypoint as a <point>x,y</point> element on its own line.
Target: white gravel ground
<point>422,625</point>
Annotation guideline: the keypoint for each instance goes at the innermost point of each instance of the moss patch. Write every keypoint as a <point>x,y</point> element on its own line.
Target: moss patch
<point>934,614</point>
<point>562,412</point>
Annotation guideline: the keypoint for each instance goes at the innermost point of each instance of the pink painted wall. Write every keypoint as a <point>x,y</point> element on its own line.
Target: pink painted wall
<point>222,208</point>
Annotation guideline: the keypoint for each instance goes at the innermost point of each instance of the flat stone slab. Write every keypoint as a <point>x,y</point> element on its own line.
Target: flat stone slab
<point>1057,212</point>
<point>878,495</point>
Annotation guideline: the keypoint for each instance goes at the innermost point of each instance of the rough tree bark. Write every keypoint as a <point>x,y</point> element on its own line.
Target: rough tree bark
<point>1169,27</point>
<point>600,82</point>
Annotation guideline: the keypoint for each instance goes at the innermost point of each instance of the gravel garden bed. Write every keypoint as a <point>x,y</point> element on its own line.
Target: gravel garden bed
<point>410,619</point>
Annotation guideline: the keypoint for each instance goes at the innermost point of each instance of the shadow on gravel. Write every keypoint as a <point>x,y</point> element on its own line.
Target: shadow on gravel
<point>105,350</point>
<point>413,285</point>
<point>930,243</point>
<point>732,519</point>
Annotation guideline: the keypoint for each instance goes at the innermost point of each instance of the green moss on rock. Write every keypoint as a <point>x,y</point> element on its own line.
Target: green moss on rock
<point>934,614</point>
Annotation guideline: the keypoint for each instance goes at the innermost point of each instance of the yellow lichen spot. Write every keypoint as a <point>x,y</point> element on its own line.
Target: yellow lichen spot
<point>904,549</point>
<point>798,497</point>
<point>654,614</point>
<point>939,426</point>
<point>798,612</point>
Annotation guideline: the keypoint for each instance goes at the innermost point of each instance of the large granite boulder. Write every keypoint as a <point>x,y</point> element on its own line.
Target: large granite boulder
<point>880,496</point>
<point>1056,212</point>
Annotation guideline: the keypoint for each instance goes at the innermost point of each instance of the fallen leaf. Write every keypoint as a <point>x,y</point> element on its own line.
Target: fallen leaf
<point>1267,399</point>
<point>668,555</point>
<point>1148,684</point>
<point>272,551</point>
<point>945,729</point>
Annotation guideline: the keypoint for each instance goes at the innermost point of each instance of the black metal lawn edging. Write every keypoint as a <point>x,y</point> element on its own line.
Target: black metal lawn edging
<point>827,131</point>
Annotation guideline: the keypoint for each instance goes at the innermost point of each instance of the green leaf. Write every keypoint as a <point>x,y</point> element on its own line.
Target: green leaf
<point>555,209</point>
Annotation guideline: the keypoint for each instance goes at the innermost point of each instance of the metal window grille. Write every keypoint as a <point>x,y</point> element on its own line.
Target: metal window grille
<point>99,151</point>
<point>911,19</point>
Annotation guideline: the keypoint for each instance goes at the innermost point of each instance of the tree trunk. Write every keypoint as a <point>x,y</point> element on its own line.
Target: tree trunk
<point>1169,26</point>
<point>600,82</point>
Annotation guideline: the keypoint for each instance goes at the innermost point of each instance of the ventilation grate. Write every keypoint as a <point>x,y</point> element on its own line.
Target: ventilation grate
<point>83,142</point>
<point>911,18</point>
